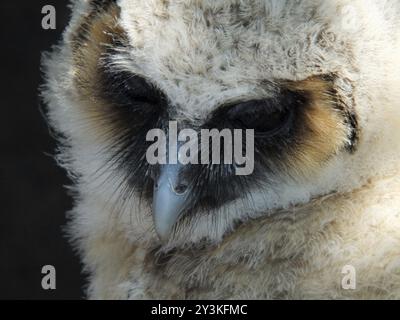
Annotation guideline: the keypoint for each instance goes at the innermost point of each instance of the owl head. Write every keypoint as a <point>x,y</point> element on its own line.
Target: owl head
<point>316,81</point>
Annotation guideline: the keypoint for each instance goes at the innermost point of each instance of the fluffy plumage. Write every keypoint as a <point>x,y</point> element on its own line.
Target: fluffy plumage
<point>329,196</point>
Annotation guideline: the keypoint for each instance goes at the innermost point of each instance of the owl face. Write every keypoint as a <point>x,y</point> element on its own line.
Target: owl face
<point>285,69</point>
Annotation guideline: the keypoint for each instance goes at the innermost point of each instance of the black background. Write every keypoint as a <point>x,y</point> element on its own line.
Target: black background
<point>33,199</point>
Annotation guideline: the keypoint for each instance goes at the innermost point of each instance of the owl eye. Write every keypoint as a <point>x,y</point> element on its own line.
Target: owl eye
<point>266,117</point>
<point>258,115</point>
<point>126,89</point>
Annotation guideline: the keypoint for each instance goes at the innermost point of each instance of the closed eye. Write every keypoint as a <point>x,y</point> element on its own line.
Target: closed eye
<point>124,88</point>
<point>260,115</point>
<point>267,117</point>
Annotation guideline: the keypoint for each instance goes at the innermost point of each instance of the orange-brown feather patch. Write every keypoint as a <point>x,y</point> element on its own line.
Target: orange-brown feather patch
<point>322,129</point>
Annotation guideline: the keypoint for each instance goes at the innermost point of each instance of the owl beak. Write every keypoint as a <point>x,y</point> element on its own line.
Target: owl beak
<point>169,199</point>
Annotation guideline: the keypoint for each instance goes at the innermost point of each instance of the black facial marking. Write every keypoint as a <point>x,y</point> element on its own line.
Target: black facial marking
<point>274,128</point>
<point>268,117</point>
<point>138,106</point>
<point>352,122</point>
<point>123,88</point>
<point>134,106</point>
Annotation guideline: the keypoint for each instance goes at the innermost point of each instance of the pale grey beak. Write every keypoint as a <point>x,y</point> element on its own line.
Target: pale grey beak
<point>169,199</point>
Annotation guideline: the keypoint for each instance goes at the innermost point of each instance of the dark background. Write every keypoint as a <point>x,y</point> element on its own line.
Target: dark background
<point>33,199</point>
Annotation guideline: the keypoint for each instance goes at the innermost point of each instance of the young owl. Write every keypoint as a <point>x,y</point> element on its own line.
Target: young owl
<point>317,81</point>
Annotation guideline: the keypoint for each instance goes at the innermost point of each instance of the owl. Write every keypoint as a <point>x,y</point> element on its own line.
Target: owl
<point>317,81</point>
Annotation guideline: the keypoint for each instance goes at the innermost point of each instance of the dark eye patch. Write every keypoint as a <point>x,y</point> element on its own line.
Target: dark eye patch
<point>268,117</point>
<point>264,116</point>
<point>131,106</point>
<point>126,89</point>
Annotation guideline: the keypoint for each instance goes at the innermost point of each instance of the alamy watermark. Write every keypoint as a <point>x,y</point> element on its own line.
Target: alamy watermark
<point>49,278</point>
<point>49,18</point>
<point>349,277</point>
<point>189,146</point>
